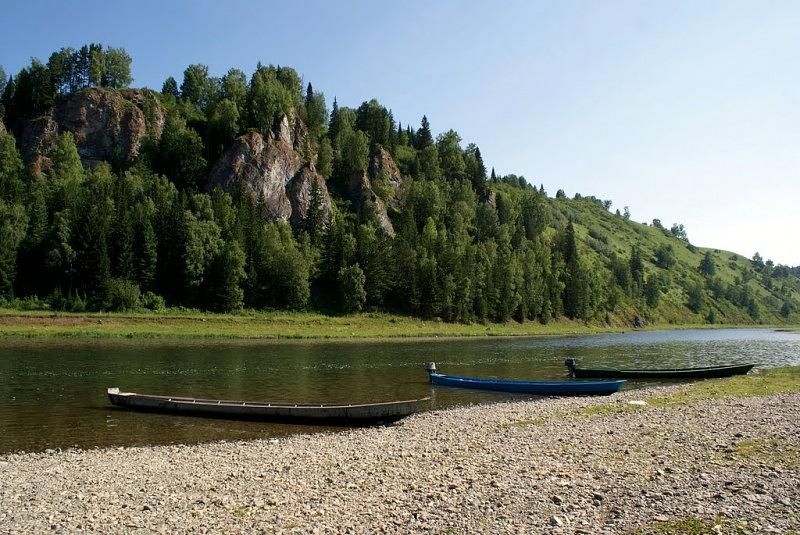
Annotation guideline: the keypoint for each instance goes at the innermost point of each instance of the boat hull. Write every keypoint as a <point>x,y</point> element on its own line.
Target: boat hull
<point>677,373</point>
<point>360,414</point>
<point>539,388</point>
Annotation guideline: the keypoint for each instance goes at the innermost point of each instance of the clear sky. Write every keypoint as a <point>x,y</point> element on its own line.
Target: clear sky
<point>685,111</point>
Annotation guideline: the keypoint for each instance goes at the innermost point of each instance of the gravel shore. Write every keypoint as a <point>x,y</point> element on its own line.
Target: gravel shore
<point>541,466</point>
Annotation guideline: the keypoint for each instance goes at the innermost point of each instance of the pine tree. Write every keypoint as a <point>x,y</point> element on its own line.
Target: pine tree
<point>423,137</point>
<point>147,257</point>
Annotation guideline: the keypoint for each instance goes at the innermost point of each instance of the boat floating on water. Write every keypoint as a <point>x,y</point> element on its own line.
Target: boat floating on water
<point>706,372</point>
<point>539,388</point>
<point>347,414</point>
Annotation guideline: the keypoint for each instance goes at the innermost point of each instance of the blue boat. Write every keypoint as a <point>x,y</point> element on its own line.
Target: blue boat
<point>539,388</point>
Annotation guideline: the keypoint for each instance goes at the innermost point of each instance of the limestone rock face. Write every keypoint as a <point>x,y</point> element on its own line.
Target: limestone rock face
<point>2,128</point>
<point>270,168</point>
<point>265,165</point>
<point>37,139</point>
<point>366,200</point>
<point>302,196</point>
<point>107,124</point>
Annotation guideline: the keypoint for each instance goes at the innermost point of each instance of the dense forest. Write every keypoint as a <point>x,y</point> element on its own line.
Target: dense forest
<point>232,192</point>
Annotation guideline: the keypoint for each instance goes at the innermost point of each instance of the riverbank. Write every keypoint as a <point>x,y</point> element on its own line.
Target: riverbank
<point>279,325</point>
<point>719,457</point>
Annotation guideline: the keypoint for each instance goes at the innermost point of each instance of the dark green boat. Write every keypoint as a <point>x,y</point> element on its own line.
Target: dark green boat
<point>706,372</point>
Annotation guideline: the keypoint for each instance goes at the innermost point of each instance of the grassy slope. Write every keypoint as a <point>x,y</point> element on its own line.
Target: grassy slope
<point>623,235</point>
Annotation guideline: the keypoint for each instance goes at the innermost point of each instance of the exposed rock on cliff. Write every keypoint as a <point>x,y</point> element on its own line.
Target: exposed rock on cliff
<point>382,167</point>
<point>270,168</point>
<point>366,201</point>
<point>264,165</point>
<point>303,196</point>
<point>108,125</point>
<point>37,139</point>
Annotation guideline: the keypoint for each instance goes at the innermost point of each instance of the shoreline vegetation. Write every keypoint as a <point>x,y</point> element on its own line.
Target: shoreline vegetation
<point>719,456</point>
<point>280,325</point>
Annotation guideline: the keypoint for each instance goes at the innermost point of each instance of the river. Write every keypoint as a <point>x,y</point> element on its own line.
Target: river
<point>53,390</point>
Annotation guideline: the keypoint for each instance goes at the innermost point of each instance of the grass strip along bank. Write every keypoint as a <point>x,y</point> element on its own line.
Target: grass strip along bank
<point>276,325</point>
<point>757,383</point>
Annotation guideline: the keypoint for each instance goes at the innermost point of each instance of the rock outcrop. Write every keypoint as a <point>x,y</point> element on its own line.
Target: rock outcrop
<point>271,169</point>
<point>107,124</point>
<point>303,197</point>
<point>37,139</point>
<point>367,201</point>
<point>264,165</point>
<point>383,165</point>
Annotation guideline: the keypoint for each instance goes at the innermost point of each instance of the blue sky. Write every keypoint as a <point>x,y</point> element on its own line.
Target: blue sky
<point>684,111</point>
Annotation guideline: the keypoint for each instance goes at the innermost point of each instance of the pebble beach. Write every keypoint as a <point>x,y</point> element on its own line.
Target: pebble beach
<point>542,466</point>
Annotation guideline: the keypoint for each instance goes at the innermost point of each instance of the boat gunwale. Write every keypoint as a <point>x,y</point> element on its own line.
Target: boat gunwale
<point>260,404</point>
<point>522,382</point>
<point>665,370</point>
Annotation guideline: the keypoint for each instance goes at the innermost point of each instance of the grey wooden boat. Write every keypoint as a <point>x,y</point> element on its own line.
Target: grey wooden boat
<point>333,414</point>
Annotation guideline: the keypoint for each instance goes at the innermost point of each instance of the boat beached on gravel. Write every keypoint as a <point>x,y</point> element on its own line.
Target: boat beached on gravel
<point>706,372</point>
<point>539,388</point>
<point>346,414</point>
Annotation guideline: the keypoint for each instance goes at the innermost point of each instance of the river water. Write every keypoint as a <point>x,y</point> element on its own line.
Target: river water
<point>52,391</point>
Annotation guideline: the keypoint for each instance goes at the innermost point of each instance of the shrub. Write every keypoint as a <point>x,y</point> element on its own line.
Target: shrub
<point>665,256</point>
<point>153,301</point>
<point>122,295</point>
<point>597,235</point>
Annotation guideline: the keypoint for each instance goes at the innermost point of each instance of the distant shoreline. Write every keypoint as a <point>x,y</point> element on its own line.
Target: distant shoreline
<point>286,326</point>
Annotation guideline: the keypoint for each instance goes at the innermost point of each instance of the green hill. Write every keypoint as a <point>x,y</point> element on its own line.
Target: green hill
<point>228,193</point>
<point>740,291</point>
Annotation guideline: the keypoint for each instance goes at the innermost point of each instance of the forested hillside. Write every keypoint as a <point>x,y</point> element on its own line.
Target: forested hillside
<point>250,191</point>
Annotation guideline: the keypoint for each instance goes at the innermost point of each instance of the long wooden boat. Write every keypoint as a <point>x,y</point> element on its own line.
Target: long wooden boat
<point>539,388</point>
<point>706,372</point>
<point>334,414</point>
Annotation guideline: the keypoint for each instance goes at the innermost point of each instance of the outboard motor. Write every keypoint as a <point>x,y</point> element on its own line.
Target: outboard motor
<point>431,367</point>
<point>570,364</point>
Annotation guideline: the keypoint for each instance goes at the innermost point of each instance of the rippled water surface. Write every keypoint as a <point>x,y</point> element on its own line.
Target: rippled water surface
<point>53,391</point>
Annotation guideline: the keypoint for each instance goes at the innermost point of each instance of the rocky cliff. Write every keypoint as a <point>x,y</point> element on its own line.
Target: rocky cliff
<point>108,125</point>
<point>271,169</point>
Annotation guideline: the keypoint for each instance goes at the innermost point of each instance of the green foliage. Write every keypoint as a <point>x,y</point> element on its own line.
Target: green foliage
<point>122,295</point>
<point>90,66</point>
<point>181,154</point>
<point>197,88</point>
<point>274,92</point>
<point>170,88</point>
<point>13,225</point>
<point>665,256</point>
<point>11,169</point>
<point>353,148</point>
<point>652,291</point>
<point>695,296</point>
<point>325,158</point>
<point>152,301</point>
<point>707,266</point>
<point>376,122</point>
<point>351,281</point>
<point>223,127</point>
<point>234,88</point>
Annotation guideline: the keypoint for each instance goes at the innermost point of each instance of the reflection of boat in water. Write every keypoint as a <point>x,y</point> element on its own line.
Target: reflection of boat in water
<point>353,414</point>
<point>706,372</point>
<point>539,388</point>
